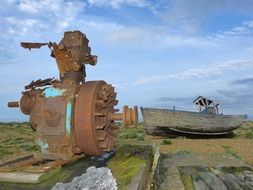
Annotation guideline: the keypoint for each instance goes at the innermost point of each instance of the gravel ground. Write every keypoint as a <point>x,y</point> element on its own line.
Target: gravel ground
<point>241,148</point>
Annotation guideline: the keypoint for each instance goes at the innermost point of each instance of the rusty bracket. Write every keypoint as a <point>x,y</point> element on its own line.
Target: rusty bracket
<point>31,45</point>
<point>40,83</point>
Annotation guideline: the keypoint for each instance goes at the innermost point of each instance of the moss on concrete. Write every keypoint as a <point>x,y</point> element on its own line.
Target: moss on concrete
<point>234,170</point>
<point>126,170</point>
<point>187,182</point>
<point>128,163</point>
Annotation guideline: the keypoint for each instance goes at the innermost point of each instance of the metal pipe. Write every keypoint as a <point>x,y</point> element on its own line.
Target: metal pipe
<point>13,104</point>
<point>117,116</point>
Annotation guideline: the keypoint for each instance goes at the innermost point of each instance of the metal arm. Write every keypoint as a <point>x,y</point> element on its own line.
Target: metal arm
<point>31,45</point>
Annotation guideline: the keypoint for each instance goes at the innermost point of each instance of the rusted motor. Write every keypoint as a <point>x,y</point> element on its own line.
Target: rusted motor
<point>72,116</point>
<point>95,115</point>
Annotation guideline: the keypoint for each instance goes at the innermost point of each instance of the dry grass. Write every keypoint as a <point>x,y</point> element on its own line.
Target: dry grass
<point>16,140</point>
<point>239,144</point>
<point>241,148</point>
<point>245,131</point>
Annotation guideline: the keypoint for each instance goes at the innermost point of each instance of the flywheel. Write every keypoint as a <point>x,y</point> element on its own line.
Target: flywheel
<point>94,102</point>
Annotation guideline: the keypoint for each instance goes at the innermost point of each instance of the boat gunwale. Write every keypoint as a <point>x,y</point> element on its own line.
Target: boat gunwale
<point>190,112</point>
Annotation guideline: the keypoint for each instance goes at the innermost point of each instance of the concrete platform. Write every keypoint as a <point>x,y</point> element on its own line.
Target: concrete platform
<point>26,177</point>
<point>45,181</point>
<point>188,171</point>
<point>130,166</point>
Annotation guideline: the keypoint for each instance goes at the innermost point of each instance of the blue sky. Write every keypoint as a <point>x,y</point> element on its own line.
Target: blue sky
<point>160,53</point>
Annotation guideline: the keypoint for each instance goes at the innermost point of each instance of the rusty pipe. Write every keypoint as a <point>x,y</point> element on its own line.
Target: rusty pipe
<point>129,116</point>
<point>115,116</point>
<point>14,104</point>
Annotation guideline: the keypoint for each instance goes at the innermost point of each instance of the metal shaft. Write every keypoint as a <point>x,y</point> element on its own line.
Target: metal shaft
<point>13,104</point>
<point>129,116</point>
<point>117,117</point>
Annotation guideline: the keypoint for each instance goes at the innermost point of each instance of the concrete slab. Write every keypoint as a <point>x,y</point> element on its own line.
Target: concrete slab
<point>187,171</point>
<point>45,181</point>
<point>130,166</point>
<point>19,177</point>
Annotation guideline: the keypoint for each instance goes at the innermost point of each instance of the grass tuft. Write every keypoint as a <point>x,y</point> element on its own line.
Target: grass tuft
<point>132,133</point>
<point>183,153</point>
<point>249,135</point>
<point>166,142</point>
<point>228,150</point>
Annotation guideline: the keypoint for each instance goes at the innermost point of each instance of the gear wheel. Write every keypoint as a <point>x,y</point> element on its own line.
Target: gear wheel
<point>93,131</point>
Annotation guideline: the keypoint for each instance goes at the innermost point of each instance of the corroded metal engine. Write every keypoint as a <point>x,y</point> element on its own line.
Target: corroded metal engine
<point>72,116</point>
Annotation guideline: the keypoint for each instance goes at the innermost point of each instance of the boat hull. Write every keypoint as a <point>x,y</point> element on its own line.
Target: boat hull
<point>189,122</point>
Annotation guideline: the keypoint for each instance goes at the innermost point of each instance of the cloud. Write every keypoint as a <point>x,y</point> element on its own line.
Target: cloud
<point>119,86</point>
<point>200,7</point>
<point>232,101</point>
<point>204,71</point>
<point>181,100</point>
<point>160,36</point>
<point>188,17</point>
<point>148,36</point>
<point>237,99</point>
<point>245,81</point>
<point>35,21</point>
<point>116,4</point>
<point>180,103</point>
<point>244,29</point>
<point>29,17</point>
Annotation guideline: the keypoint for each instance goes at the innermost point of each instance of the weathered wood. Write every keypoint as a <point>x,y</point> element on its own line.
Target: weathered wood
<point>190,122</point>
<point>18,164</point>
<point>20,177</point>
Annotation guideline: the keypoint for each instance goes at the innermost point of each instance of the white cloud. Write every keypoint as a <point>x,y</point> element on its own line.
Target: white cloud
<point>115,4</point>
<point>119,86</point>
<point>30,17</point>
<point>175,38</point>
<point>204,71</point>
<point>149,36</point>
<point>189,16</point>
<point>20,26</point>
<point>245,29</point>
<point>33,20</point>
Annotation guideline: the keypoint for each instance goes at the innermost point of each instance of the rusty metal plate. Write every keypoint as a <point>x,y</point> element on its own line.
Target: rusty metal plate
<point>53,116</point>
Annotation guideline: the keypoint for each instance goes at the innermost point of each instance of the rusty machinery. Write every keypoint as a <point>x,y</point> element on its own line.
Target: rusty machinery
<point>72,116</point>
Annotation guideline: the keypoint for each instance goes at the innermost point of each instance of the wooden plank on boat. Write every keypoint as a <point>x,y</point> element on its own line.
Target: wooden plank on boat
<point>190,122</point>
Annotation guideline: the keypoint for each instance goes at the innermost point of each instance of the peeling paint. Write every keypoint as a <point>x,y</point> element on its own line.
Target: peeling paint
<point>53,92</point>
<point>68,117</point>
<point>42,144</point>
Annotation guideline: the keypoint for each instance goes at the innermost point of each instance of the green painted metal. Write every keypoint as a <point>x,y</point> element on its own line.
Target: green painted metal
<point>53,92</point>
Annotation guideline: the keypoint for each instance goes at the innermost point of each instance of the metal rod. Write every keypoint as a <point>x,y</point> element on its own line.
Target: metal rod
<point>13,104</point>
<point>118,116</point>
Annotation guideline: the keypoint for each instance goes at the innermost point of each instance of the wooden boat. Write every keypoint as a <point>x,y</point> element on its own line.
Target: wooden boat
<point>207,121</point>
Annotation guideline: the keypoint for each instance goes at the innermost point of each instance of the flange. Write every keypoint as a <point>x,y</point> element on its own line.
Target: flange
<point>95,100</point>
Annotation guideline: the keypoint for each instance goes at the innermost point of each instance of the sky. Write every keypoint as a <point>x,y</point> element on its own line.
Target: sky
<point>159,53</point>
